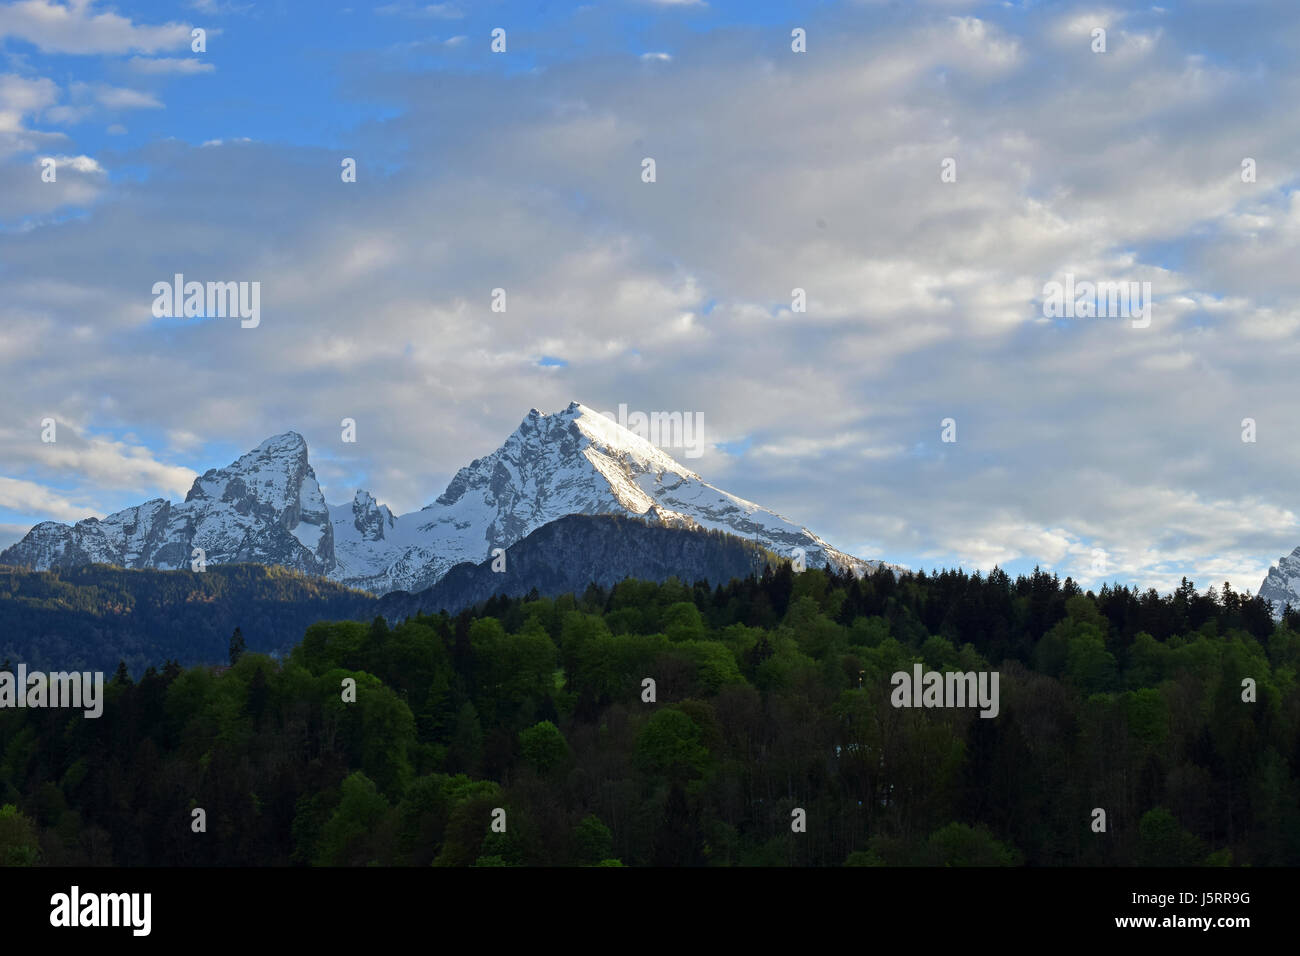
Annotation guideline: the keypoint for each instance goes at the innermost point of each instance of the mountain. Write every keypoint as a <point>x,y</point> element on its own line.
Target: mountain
<point>268,508</point>
<point>1282,584</point>
<point>568,554</point>
<point>264,508</point>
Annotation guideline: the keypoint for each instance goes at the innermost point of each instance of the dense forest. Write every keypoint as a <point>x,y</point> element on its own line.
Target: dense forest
<point>772,696</point>
<point>91,617</point>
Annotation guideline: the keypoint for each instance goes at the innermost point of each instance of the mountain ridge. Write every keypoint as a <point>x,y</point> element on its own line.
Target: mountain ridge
<point>1281,586</point>
<point>267,507</point>
<point>570,553</point>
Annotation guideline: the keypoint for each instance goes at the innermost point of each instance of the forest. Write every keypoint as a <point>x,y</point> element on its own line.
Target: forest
<point>93,616</point>
<point>519,733</point>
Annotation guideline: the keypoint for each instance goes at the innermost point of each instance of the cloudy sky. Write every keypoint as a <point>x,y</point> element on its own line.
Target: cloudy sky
<point>775,170</point>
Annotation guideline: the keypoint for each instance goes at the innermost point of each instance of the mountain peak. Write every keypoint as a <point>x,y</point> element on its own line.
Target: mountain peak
<point>1281,586</point>
<point>287,441</point>
<point>371,519</point>
<point>271,474</point>
<point>267,507</point>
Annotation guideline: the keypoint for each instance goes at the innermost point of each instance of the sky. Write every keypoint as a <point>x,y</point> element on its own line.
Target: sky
<point>923,170</point>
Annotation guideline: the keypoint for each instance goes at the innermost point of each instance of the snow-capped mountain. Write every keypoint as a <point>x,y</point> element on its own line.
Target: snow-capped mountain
<point>268,508</point>
<point>1282,584</point>
<point>264,508</point>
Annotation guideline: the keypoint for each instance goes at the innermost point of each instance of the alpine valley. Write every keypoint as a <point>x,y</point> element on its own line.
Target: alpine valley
<point>267,508</point>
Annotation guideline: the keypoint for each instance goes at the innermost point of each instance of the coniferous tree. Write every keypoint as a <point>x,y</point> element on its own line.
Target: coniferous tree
<point>1123,692</point>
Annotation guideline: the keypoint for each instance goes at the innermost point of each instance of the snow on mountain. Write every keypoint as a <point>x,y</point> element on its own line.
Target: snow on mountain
<point>1282,584</point>
<point>576,461</point>
<point>267,507</point>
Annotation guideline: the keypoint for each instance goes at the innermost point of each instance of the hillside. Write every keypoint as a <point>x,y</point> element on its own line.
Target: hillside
<point>92,617</point>
<point>772,695</point>
<point>567,555</point>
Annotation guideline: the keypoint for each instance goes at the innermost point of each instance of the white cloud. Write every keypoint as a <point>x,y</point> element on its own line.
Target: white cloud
<point>11,534</point>
<point>80,164</point>
<point>27,497</point>
<point>1076,27</point>
<point>101,467</point>
<point>180,65</point>
<point>80,27</point>
<point>438,11</point>
<point>820,172</point>
<point>121,98</point>
<point>20,98</point>
<point>219,8</point>
<point>21,95</point>
<point>991,47</point>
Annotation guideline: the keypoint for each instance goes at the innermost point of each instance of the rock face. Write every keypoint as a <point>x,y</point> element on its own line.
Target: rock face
<point>568,554</point>
<point>267,508</point>
<point>1282,584</point>
<point>371,519</point>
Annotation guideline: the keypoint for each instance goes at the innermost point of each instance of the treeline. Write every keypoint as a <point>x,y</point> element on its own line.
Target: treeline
<point>772,696</point>
<point>91,617</point>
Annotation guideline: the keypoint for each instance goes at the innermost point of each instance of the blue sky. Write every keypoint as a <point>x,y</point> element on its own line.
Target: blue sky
<point>775,170</point>
<point>292,72</point>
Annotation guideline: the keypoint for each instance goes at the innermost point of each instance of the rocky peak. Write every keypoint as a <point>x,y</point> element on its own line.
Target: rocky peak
<point>371,518</point>
<point>268,481</point>
<point>1282,584</point>
<point>267,507</point>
